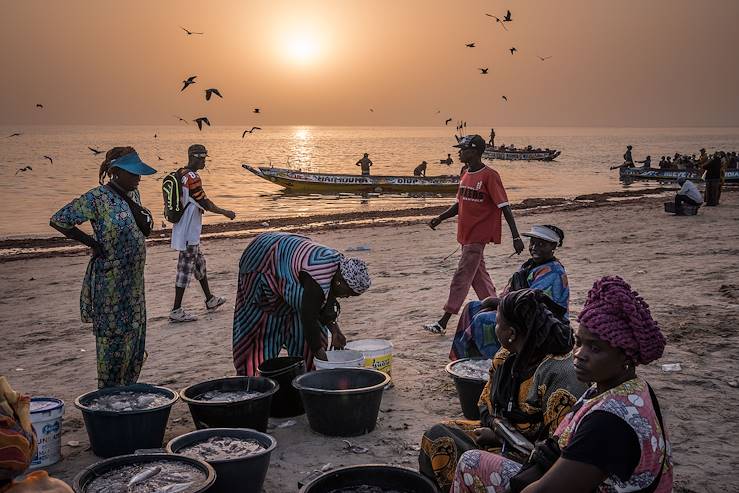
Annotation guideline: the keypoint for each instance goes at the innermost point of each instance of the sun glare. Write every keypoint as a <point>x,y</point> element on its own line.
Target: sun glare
<point>301,48</point>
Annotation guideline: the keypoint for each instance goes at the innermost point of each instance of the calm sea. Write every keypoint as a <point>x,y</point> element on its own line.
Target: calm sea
<point>30,198</point>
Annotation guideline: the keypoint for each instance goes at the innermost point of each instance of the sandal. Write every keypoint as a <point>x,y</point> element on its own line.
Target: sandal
<point>435,328</point>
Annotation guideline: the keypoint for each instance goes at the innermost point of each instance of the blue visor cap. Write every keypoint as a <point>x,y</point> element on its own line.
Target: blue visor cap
<point>132,163</point>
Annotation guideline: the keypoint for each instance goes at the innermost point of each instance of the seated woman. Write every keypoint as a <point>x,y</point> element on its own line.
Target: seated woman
<point>532,384</point>
<point>475,334</point>
<point>614,439</point>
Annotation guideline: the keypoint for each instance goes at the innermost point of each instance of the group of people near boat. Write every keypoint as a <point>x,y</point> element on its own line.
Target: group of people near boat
<point>568,391</point>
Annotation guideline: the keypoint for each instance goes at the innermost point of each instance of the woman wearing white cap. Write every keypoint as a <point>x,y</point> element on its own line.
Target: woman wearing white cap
<point>113,289</point>
<point>475,334</point>
<point>287,297</point>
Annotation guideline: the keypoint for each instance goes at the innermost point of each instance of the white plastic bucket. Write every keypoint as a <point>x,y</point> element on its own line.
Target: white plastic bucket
<point>340,359</point>
<point>46,418</point>
<point>378,353</point>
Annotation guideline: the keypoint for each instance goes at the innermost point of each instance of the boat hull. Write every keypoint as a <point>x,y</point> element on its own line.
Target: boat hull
<point>324,182</point>
<point>731,176</point>
<point>521,155</point>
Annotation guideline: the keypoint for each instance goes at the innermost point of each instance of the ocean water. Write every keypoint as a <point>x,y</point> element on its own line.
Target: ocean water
<point>30,198</point>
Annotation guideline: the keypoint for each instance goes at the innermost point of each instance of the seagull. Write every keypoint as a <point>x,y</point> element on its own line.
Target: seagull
<point>95,151</point>
<point>200,121</point>
<point>256,110</point>
<point>181,119</point>
<point>543,58</point>
<point>50,160</point>
<point>250,131</point>
<point>17,134</point>
<point>507,17</point>
<point>470,45</point>
<point>504,98</point>
<point>209,92</point>
<point>187,82</point>
<point>371,110</point>
<point>497,19</point>
<point>447,121</point>
<point>25,168</point>
<point>513,50</point>
<point>189,33</point>
<point>483,71</point>
<point>38,105</point>
<point>155,136</point>
<point>159,158</point>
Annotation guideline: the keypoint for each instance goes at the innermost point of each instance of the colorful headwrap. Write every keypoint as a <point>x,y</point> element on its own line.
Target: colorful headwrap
<point>355,273</point>
<point>619,316</point>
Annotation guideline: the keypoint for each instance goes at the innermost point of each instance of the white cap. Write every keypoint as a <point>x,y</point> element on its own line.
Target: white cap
<point>543,233</point>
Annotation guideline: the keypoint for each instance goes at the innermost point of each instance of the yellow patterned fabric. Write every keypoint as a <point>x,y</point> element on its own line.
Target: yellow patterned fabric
<point>17,440</point>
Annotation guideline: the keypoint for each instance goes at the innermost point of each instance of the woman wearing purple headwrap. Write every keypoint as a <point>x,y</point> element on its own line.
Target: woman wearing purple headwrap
<point>614,439</point>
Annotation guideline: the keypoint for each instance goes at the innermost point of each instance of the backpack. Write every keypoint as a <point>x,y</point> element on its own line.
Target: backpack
<point>172,193</point>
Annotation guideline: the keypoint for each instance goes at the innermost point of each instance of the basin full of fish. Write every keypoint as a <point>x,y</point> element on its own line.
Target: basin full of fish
<point>220,448</point>
<point>228,395</point>
<point>128,400</point>
<point>476,369</point>
<point>363,488</point>
<point>163,476</point>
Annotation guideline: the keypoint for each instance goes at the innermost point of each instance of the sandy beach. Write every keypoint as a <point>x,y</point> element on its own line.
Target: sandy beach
<point>685,267</point>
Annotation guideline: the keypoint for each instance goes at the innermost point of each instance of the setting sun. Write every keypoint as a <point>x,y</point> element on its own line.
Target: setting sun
<point>302,48</point>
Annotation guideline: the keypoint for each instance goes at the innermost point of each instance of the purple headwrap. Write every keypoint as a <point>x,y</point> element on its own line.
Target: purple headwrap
<point>619,316</point>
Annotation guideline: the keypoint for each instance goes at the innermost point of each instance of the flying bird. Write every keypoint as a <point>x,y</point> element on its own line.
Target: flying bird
<point>155,136</point>
<point>201,120</point>
<point>17,134</point>
<point>543,58</point>
<point>498,20</point>
<point>483,71</point>
<point>181,119</point>
<point>210,92</point>
<point>257,110</point>
<point>447,121</point>
<point>51,161</point>
<point>95,151</point>
<point>189,33</point>
<point>513,50</point>
<point>38,105</point>
<point>250,131</point>
<point>507,17</point>
<point>504,98</point>
<point>371,110</point>
<point>470,45</point>
<point>25,168</point>
<point>159,158</point>
<point>187,82</point>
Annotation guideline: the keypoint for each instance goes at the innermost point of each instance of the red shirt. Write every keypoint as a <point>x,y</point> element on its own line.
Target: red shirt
<point>480,197</point>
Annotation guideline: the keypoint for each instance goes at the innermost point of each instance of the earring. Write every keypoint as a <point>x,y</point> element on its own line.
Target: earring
<point>510,339</point>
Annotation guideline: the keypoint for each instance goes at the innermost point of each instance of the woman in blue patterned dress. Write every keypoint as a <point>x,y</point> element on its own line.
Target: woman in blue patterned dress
<point>475,334</point>
<point>112,295</point>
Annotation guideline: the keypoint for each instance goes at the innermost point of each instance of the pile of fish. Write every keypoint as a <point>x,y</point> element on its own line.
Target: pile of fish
<point>363,488</point>
<point>152,477</point>
<point>477,369</point>
<point>228,395</point>
<point>222,448</point>
<point>128,401</point>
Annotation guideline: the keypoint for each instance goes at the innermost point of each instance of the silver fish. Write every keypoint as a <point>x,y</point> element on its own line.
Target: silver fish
<point>175,488</point>
<point>143,476</point>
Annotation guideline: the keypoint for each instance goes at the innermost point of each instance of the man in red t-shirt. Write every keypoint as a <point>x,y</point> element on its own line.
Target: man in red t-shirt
<point>481,200</point>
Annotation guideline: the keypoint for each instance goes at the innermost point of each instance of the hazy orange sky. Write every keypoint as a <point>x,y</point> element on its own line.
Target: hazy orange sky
<point>614,62</point>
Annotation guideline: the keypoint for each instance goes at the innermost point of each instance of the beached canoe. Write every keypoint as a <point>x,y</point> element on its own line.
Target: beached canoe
<point>325,182</point>
<point>521,154</point>
<point>656,174</point>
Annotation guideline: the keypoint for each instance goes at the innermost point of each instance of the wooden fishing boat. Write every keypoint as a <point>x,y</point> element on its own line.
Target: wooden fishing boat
<point>328,182</point>
<point>520,154</point>
<point>626,174</point>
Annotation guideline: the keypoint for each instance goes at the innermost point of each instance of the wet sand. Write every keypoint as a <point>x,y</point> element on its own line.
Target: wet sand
<point>685,267</point>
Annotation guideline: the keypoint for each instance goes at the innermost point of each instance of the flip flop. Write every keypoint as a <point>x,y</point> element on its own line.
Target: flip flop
<point>434,328</point>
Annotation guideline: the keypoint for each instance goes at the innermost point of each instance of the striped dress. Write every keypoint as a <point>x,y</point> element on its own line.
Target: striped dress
<point>270,296</point>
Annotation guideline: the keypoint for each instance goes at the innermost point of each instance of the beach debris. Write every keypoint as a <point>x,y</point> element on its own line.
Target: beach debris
<point>210,92</point>
<point>641,272</point>
<point>671,367</point>
<point>143,476</point>
<point>165,476</point>
<point>222,448</point>
<point>359,248</point>
<point>20,369</point>
<point>187,82</point>
<point>286,424</point>
<point>477,369</point>
<point>128,401</point>
<point>326,467</point>
<point>228,395</point>
<point>733,383</point>
<point>73,443</point>
<point>353,448</point>
<point>83,350</point>
<point>265,224</point>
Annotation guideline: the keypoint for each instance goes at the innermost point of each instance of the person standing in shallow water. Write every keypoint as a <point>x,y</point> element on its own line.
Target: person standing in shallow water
<point>112,295</point>
<point>365,164</point>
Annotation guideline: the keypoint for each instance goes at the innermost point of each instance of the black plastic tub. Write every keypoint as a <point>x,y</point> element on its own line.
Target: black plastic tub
<point>244,474</point>
<point>286,403</point>
<point>115,433</point>
<point>343,401</point>
<point>378,475</point>
<point>84,478</point>
<point>468,390</point>
<point>250,413</point>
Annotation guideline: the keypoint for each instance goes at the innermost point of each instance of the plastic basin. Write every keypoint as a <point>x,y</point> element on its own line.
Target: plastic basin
<point>378,475</point>
<point>345,358</point>
<point>84,478</point>
<point>286,402</point>
<point>234,475</point>
<point>114,433</point>
<point>343,401</point>
<point>250,413</point>
<point>468,390</point>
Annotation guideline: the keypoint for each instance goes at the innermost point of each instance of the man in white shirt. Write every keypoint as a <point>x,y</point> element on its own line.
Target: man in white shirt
<point>688,194</point>
<point>186,235</point>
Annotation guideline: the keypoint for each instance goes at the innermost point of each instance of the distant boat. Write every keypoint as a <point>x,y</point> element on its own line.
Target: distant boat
<point>520,154</point>
<point>329,182</point>
<point>731,176</point>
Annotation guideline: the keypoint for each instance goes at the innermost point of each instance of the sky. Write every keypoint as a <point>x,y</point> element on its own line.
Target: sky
<point>621,63</point>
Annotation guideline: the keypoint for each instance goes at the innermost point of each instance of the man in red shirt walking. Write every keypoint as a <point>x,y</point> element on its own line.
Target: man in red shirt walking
<point>481,200</point>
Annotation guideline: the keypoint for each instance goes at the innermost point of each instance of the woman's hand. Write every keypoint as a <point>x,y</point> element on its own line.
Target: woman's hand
<point>489,304</point>
<point>338,340</point>
<point>435,222</point>
<point>97,250</point>
<point>321,354</point>
<point>484,436</point>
